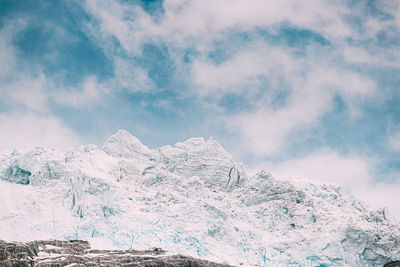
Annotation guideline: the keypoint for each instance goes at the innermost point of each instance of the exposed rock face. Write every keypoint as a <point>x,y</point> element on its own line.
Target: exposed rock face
<point>78,253</point>
<point>16,175</point>
<point>392,264</point>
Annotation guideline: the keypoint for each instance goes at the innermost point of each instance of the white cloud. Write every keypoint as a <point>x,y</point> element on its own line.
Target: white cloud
<point>208,17</point>
<point>381,195</point>
<point>390,7</point>
<point>25,131</point>
<point>349,171</point>
<point>243,70</point>
<point>124,22</point>
<point>16,83</point>
<point>29,92</point>
<point>28,88</point>
<point>91,92</point>
<point>6,55</point>
<point>387,57</point>
<point>394,140</point>
<point>130,76</point>
<point>7,51</point>
<point>265,130</point>
<point>356,55</point>
<point>197,22</point>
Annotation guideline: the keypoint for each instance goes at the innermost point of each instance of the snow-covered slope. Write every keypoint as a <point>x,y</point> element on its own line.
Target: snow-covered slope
<point>191,199</point>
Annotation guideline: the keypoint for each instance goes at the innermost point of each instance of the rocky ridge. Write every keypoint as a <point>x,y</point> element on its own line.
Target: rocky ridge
<point>54,253</point>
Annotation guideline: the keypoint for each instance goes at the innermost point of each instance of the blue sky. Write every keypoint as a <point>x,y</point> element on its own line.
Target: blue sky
<point>310,89</point>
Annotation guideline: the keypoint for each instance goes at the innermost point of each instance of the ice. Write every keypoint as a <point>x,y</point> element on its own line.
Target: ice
<point>191,198</point>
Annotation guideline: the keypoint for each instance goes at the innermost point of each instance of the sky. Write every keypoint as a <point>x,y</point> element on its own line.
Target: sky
<point>307,88</point>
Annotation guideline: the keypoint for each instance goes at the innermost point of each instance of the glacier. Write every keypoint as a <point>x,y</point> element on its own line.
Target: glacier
<point>191,198</point>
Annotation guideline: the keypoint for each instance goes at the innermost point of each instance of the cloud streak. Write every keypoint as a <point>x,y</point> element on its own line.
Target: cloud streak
<point>25,131</point>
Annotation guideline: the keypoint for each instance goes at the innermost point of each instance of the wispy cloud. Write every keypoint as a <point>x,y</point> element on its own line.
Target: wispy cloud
<point>349,171</point>
<point>265,129</point>
<point>90,92</point>
<point>25,131</point>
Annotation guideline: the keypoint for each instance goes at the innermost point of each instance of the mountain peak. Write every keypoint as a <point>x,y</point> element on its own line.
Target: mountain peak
<point>191,199</point>
<point>124,144</point>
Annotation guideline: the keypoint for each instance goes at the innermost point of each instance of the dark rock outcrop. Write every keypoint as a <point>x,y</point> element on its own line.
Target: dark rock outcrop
<point>392,264</point>
<point>17,175</point>
<point>54,253</point>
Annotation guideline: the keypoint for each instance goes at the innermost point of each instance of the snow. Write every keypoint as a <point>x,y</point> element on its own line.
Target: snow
<point>192,199</point>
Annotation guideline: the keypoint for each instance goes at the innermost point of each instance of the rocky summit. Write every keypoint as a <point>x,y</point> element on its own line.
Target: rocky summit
<point>191,199</point>
<point>55,253</point>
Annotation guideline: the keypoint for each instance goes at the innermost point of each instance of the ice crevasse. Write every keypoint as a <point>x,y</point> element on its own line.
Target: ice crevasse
<point>192,199</point>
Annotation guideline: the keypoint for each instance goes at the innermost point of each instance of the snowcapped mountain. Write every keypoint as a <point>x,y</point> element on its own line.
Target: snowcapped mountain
<point>191,199</point>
